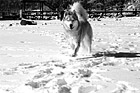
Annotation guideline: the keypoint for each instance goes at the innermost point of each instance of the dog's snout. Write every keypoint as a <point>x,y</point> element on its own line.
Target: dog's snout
<point>71,26</point>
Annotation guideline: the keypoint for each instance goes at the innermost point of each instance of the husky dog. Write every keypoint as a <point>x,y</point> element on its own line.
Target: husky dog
<point>77,28</point>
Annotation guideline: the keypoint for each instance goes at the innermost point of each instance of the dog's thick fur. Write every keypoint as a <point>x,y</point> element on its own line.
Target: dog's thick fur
<point>77,28</point>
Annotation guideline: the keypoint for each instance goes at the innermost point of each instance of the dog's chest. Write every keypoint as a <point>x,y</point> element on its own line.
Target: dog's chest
<point>73,35</point>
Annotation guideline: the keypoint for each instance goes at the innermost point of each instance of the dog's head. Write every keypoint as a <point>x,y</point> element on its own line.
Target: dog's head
<point>70,20</point>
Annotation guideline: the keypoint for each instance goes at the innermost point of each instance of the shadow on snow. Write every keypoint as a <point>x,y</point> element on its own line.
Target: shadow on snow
<point>114,54</point>
<point>117,54</point>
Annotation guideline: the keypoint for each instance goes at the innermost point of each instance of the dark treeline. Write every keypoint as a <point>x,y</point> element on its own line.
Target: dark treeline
<point>15,5</point>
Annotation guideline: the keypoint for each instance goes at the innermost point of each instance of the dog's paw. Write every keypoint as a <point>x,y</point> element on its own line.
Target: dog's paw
<point>73,55</point>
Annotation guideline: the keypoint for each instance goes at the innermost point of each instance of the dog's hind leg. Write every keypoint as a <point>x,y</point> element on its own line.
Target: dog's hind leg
<point>76,49</point>
<point>87,44</point>
<point>72,46</point>
<point>89,40</point>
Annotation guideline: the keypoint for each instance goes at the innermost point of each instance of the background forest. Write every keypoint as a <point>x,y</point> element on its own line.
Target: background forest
<point>16,5</point>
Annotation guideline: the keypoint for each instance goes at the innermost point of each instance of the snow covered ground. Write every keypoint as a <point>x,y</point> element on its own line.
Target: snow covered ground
<point>34,58</point>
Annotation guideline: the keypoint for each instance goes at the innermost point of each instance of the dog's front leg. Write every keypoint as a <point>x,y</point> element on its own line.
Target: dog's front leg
<point>76,49</point>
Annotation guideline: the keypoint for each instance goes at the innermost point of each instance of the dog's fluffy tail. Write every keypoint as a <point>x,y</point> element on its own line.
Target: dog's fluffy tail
<point>80,11</point>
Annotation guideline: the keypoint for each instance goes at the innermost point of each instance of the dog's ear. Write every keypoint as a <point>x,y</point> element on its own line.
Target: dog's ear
<point>66,13</point>
<point>63,15</point>
<point>74,11</point>
<point>75,14</point>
